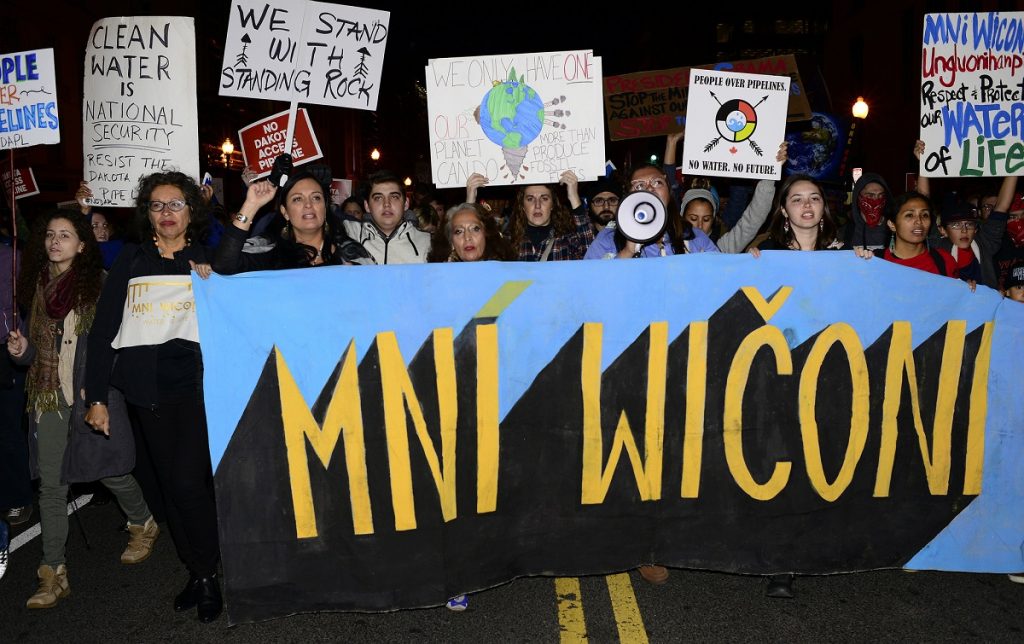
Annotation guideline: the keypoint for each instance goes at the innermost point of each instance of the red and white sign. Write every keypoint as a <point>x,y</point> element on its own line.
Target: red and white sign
<point>263,140</point>
<point>341,189</point>
<point>24,182</point>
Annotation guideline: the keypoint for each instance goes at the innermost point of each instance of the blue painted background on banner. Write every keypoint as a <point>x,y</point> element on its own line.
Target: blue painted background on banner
<point>313,315</point>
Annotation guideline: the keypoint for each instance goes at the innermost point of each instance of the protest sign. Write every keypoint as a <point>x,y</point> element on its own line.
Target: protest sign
<point>308,52</point>
<point>341,189</point>
<point>28,99</point>
<point>972,94</point>
<point>412,444</point>
<point>523,118</point>
<point>139,111</point>
<point>24,183</point>
<point>737,123</point>
<point>654,103</point>
<point>263,141</point>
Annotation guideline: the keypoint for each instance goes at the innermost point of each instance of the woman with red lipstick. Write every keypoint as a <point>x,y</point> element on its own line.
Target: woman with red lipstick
<point>469,234</point>
<point>159,369</point>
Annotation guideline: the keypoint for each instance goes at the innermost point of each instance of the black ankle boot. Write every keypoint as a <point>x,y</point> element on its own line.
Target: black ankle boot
<point>189,596</point>
<point>209,600</point>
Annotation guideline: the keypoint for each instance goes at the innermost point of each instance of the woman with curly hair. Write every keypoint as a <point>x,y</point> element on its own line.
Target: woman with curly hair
<point>159,369</point>
<point>60,284</point>
<point>469,234</point>
<point>542,229</point>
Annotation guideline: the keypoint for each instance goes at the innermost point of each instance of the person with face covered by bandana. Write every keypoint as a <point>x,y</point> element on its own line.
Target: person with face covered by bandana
<point>971,236</point>
<point>871,202</point>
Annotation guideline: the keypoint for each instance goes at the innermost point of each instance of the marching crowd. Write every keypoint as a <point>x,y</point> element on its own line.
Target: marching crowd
<point>132,416</point>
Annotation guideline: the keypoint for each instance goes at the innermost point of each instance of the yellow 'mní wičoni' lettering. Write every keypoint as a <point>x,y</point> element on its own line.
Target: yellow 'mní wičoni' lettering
<point>343,420</point>
<point>647,473</point>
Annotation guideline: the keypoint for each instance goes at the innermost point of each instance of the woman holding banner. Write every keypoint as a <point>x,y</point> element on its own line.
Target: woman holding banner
<point>308,238</point>
<point>542,228</point>
<point>801,219</point>
<point>469,234</point>
<point>60,284</point>
<point>159,369</point>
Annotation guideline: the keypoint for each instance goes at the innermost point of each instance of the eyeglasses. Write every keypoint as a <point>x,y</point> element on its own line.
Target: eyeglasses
<point>987,206</point>
<point>963,225</point>
<point>174,205</point>
<point>647,184</point>
<point>601,202</point>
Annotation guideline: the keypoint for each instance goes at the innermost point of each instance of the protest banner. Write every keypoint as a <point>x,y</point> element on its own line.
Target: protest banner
<point>263,141</point>
<point>139,110</point>
<point>738,122</point>
<point>972,94</point>
<point>523,118</point>
<point>341,189</point>
<point>654,103</point>
<point>407,445</point>
<point>308,52</point>
<point>28,99</point>
<point>24,182</point>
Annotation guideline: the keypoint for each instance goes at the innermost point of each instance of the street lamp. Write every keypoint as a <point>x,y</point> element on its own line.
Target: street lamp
<point>375,154</point>
<point>407,182</point>
<point>860,111</point>
<point>860,108</point>
<point>227,148</point>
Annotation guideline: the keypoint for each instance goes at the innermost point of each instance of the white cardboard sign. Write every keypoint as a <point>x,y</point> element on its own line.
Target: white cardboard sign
<point>139,109</point>
<point>28,99</point>
<point>306,52</point>
<point>516,119</point>
<point>735,124</point>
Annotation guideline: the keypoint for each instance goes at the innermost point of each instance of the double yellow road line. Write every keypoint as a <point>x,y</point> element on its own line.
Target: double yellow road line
<point>571,620</point>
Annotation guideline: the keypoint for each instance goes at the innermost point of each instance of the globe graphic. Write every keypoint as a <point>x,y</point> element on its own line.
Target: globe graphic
<point>736,121</point>
<point>512,114</point>
<point>817,150</point>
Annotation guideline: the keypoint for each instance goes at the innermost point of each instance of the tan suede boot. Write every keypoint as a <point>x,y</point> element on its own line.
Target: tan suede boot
<point>53,586</point>
<point>140,542</point>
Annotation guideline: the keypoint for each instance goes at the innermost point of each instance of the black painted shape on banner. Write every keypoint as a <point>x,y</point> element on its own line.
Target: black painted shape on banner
<point>540,526</point>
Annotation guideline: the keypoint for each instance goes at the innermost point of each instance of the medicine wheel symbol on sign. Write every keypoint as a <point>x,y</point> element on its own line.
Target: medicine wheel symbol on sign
<point>736,121</point>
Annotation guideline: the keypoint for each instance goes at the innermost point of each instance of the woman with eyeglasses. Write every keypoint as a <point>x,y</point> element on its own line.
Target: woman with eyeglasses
<point>679,237</point>
<point>159,369</point>
<point>542,229</point>
<point>973,235</point>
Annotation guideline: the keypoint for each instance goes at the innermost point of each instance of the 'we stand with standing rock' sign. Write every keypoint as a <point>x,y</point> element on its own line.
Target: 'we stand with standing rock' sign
<point>139,109</point>
<point>307,52</point>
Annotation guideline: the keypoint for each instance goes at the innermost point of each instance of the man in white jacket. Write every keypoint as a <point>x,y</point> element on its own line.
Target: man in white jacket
<point>384,234</point>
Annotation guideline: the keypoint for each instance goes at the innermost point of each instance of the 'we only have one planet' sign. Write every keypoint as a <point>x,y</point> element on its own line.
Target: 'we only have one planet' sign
<point>516,119</point>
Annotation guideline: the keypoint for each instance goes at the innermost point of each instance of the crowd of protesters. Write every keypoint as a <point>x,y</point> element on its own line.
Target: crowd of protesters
<point>83,398</point>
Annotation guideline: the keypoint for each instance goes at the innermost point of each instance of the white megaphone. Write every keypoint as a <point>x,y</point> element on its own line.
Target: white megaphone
<point>641,217</point>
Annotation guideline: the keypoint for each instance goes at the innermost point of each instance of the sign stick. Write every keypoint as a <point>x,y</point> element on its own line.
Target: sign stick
<point>14,248</point>
<point>291,132</point>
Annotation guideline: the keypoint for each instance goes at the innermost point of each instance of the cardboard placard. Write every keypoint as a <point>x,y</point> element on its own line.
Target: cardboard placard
<point>28,99</point>
<point>261,142</point>
<point>24,183</point>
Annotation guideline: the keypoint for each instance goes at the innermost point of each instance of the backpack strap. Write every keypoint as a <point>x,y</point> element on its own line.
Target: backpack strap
<point>939,262</point>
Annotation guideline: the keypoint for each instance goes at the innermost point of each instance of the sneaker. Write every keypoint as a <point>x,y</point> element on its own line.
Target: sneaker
<point>53,586</point>
<point>458,603</point>
<point>17,516</point>
<point>1017,579</point>
<point>5,545</point>
<point>140,542</point>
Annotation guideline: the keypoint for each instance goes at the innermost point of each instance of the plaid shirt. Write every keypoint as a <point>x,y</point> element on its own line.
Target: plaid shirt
<point>570,246</point>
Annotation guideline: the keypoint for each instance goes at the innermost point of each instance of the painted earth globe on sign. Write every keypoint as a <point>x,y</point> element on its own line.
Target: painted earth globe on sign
<point>512,115</point>
<point>817,150</point>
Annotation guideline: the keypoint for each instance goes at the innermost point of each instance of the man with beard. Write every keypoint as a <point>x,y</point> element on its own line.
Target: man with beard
<point>605,195</point>
<point>385,234</point>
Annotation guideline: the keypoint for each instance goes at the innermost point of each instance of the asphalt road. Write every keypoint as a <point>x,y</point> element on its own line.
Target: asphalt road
<point>113,602</point>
